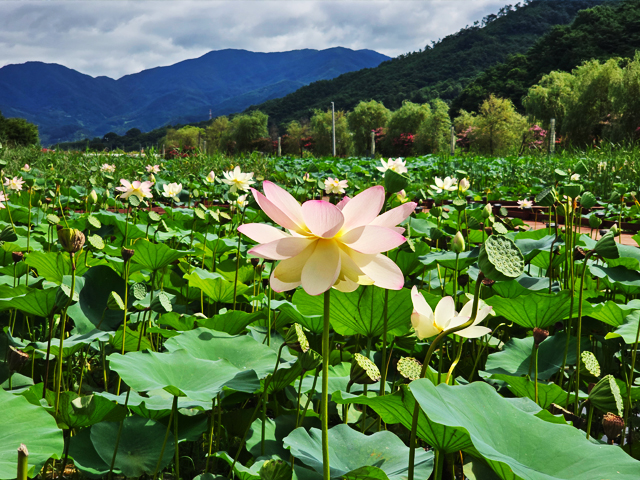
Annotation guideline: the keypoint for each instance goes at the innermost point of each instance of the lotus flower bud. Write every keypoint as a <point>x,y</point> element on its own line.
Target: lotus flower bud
<point>92,197</point>
<point>457,245</point>
<point>363,371</point>
<point>17,256</point>
<point>487,211</point>
<point>71,239</point>
<point>296,339</point>
<point>436,211</point>
<point>614,230</point>
<point>464,185</point>
<point>613,426</point>
<point>539,336</point>
<point>127,253</point>
<point>152,179</point>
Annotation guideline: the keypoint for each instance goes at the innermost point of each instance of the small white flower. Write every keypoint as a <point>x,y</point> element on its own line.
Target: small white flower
<point>397,165</point>
<point>238,180</point>
<point>211,177</point>
<point>575,177</point>
<point>449,184</point>
<point>172,190</point>
<point>105,167</point>
<point>333,185</point>
<point>464,185</point>
<point>241,202</point>
<point>526,203</point>
<point>153,168</point>
<point>26,168</point>
<point>14,183</point>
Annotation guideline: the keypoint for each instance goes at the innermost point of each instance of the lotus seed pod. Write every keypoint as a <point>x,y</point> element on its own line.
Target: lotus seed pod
<point>591,363</point>
<point>409,368</point>
<point>487,211</point>
<point>17,256</point>
<point>613,426</point>
<point>605,396</point>
<point>17,359</point>
<point>93,197</point>
<point>500,259</point>
<point>463,280</point>
<point>457,245</point>
<point>296,339</point>
<point>310,360</point>
<point>363,371</point>
<point>114,302</point>
<point>127,253</point>
<point>71,239</point>
<point>436,211</point>
<point>539,335</point>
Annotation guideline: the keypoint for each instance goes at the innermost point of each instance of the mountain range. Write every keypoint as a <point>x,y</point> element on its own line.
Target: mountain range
<point>68,105</point>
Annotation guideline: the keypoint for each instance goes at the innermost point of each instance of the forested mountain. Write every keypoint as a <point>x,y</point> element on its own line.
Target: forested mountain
<point>598,33</point>
<point>67,105</point>
<point>442,70</point>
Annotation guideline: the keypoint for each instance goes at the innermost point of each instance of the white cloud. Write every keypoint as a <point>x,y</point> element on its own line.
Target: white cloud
<point>115,38</point>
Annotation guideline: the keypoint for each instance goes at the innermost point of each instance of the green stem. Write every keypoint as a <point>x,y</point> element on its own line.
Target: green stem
<point>590,417</point>
<point>213,408</point>
<point>235,283</point>
<point>630,381</point>
<point>174,407</point>
<point>124,326</point>
<point>438,464</point>
<point>164,442</point>
<point>536,377</point>
<point>425,365</point>
<point>265,398</point>
<point>115,448</point>
<point>455,362</point>
<point>579,329</point>
<point>62,331</point>
<point>324,413</point>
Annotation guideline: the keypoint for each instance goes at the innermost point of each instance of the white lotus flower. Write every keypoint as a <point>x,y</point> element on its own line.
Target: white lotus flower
<point>14,183</point>
<point>526,203</point>
<point>238,180</point>
<point>153,168</point>
<point>449,184</point>
<point>105,167</point>
<point>464,185</point>
<point>575,177</point>
<point>333,185</point>
<point>140,189</point>
<point>172,190</point>
<point>241,202</point>
<point>211,177</point>
<point>2,200</point>
<point>398,165</point>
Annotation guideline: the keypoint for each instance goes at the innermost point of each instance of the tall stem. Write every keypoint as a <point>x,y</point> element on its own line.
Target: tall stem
<point>324,412</point>
<point>579,329</point>
<point>124,325</point>
<point>63,328</point>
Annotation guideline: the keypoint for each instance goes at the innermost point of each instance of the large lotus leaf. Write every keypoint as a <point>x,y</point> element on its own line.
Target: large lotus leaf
<point>530,247</point>
<point>448,259</point>
<point>515,357</point>
<point>506,435</point>
<point>548,393</point>
<point>339,376</point>
<point>628,281</point>
<point>54,266</point>
<point>534,310</point>
<point>232,322</point>
<point>290,313</point>
<point>180,374</point>
<point>131,340</point>
<point>361,312</point>
<point>398,408</point>
<point>140,445</point>
<point>91,309</point>
<point>240,471</point>
<point>36,302</point>
<point>351,450</point>
<point>155,256</point>
<point>242,351</point>
<point>71,345</point>
<point>158,400</point>
<point>214,285</point>
<point>21,422</point>
<point>275,431</point>
<point>628,330</point>
<point>77,412</point>
<point>610,312</point>
<point>629,257</point>
<point>85,457</point>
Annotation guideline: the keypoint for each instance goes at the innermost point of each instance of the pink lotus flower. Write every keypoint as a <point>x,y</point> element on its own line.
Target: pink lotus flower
<point>141,190</point>
<point>2,200</point>
<point>14,183</point>
<point>153,168</point>
<point>329,245</point>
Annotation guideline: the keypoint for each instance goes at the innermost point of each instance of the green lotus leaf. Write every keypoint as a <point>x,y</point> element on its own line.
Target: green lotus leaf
<point>448,259</point>
<point>625,280</point>
<point>628,330</point>
<point>36,302</point>
<point>534,310</point>
<point>510,438</point>
<point>606,396</point>
<point>611,313</point>
<point>361,311</point>
<point>214,285</point>
<point>155,256</point>
<point>181,374</point>
<point>232,322</point>
<point>546,197</point>
<point>78,412</point>
<point>607,247</point>
<point>394,182</point>
<point>22,422</point>
<point>339,378</point>
<point>352,450</point>
<point>211,345</point>
<point>587,200</point>
<point>54,266</point>
<point>131,340</point>
<point>139,448</point>
<point>548,393</point>
<point>275,431</point>
<point>85,457</point>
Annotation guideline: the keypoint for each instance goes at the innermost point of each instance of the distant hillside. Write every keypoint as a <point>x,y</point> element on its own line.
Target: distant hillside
<point>68,105</point>
<point>441,70</point>
<point>599,33</point>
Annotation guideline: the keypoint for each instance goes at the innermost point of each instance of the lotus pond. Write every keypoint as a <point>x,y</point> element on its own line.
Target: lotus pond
<point>319,318</point>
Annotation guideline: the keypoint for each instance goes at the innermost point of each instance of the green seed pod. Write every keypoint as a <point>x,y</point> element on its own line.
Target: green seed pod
<point>591,363</point>
<point>594,222</point>
<point>71,239</point>
<point>500,259</point>
<point>605,395</point>
<point>363,371</point>
<point>310,360</point>
<point>114,302</point>
<point>587,200</point>
<point>409,368</point>
<point>275,470</point>
<point>296,339</point>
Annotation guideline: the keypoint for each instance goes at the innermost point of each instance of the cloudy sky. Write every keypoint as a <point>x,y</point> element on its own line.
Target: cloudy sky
<point>118,37</point>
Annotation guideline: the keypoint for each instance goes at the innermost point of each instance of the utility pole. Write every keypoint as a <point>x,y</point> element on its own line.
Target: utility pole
<point>453,140</point>
<point>373,143</point>
<point>279,146</point>
<point>552,136</point>
<point>333,128</point>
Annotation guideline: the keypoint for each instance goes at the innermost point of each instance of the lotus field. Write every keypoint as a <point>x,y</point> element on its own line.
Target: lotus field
<point>269,319</point>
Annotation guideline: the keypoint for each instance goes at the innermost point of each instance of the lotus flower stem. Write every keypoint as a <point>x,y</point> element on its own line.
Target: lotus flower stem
<point>425,366</point>
<point>579,328</point>
<point>235,282</point>
<point>115,447</point>
<point>455,362</point>
<point>630,382</point>
<point>309,397</point>
<point>324,413</point>
<point>536,377</point>
<point>23,462</point>
<point>174,407</point>
<point>589,419</point>
<point>124,325</point>
<point>438,463</point>
<point>62,330</point>
<point>265,398</point>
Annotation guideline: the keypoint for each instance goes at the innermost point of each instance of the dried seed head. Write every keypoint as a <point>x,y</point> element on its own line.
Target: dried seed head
<point>255,262</point>
<point>539,335</point>
<point>17,256</point>
<point>487,282</point>
<point>127,253</point>
<point>578,254</point>
<point>71,239</point>
<point>463,280</point>
<point>613,425</point>
<point>17,358</point>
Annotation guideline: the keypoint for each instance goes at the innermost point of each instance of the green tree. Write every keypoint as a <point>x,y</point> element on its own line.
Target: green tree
<point>367,116</point>
<point>320,126</point>
<point>248,127</point>
<point>292,141</point>
<point>218,135</point>
<point>185,137</point>
<point>434,134</point>
<point>406,120</point>
<point>18,132</point>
